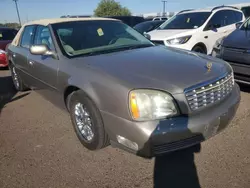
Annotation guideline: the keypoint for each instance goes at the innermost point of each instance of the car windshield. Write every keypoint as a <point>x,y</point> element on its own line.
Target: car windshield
<point>246,11</point>
<point>147,26</point>
<point>97,37</point>
<point>7,34</point>
<point>246,25</point>
<point>186,21</point>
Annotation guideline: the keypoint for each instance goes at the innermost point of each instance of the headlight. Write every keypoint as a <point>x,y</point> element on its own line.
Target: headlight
<point>146,104</point>
<point>181,40</point>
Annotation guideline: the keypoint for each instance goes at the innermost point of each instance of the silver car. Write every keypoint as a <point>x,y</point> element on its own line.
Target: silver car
<point>121,89</point>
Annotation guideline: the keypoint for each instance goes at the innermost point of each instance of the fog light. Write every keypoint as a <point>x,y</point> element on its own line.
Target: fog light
<point>127,143</point>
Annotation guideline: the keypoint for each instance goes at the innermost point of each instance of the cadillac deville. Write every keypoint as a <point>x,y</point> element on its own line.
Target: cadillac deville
<point>121,89</point>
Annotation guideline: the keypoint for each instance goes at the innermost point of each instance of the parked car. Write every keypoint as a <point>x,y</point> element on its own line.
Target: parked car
<point>129,20</point>
<point>147,26</point>
<point>76,16</point>
<point>103,72</point>
<point>235,49</point>
<point>6,36</point>
<point>160,18</point>
<point>197,30</point>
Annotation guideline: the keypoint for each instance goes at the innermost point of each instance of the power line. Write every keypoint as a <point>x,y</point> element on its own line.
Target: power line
<point>18,12</point>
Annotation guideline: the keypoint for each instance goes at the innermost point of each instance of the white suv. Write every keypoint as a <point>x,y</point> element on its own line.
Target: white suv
<point>197,30</point>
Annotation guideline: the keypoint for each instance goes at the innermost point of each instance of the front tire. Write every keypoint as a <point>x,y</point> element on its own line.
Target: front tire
<point>17,81</point>
<point>87,121</point>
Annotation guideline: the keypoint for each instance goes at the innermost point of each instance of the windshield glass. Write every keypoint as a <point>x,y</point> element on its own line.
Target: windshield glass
<point>147,26</point>
<point>95,37</point>
<point>186,21</point>
<point>246,25</point>
<point>246,11</point>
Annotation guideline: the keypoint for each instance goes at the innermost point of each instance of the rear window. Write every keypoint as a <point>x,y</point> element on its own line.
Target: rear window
<point>7,34</point>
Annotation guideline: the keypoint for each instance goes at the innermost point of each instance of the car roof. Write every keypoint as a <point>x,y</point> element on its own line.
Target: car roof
<point>209,9</point>
<point>46,22</point>
<point>6,28</point>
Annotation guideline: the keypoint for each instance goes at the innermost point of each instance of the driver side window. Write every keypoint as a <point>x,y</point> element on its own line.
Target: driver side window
<point>43,36</point>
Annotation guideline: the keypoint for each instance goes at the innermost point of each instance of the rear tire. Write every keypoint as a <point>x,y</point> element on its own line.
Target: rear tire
<point>199,49</point>
<point>87,121</point>
<point>17,81</point>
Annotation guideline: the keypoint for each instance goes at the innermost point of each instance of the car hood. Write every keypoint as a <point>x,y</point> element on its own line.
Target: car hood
<point>169,33</point>
<point>157,67</point>
<point>238,39</point>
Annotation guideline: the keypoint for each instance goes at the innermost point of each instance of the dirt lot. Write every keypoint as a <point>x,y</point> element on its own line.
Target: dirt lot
<point>38,148</point>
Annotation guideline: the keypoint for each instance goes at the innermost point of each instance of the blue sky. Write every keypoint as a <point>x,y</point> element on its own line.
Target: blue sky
<point>38,9</point>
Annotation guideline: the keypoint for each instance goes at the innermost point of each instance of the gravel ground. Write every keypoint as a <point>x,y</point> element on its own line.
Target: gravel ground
<point>38,148</point>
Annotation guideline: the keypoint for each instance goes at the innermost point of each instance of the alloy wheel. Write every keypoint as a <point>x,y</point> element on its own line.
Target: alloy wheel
<point>83,121</point>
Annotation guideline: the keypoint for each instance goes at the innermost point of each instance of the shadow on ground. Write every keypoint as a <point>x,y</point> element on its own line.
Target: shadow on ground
<point>7,92</point>
<point>244,88</point>
<point>177,169</point>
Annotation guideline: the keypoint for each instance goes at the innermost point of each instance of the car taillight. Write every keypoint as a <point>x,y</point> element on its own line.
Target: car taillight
<point>2,52</point>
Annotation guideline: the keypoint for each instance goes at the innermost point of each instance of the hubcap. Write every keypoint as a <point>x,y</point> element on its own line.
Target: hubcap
<point>83,121</point>
<point>15,77</point>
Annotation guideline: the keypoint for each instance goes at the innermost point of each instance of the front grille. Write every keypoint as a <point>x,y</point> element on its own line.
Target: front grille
<point>161,42</point>
<point>169,147</point>
<point>206,94</point>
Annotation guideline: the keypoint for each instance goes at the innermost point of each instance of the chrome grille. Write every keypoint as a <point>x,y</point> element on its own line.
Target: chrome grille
<point>209,93</point>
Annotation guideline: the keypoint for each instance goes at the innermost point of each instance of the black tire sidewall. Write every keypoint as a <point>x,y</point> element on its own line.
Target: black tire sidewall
<point>97,124</point>
<point>199,49</point>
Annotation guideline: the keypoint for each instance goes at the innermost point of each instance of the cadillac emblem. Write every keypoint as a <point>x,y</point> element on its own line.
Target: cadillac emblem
<point>209,66</point>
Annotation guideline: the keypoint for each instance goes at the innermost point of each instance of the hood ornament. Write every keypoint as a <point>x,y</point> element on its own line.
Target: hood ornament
<point>209,66</point>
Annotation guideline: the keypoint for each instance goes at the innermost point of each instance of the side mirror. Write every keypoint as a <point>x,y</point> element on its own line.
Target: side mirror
<point>238,24</point>
<point>41,50</point>
<point>147,35</point>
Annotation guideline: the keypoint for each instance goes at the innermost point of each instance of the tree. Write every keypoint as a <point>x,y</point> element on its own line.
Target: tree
<point>111,8</point>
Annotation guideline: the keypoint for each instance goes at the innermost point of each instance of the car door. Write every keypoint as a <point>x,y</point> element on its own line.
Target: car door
<point>21,52</point>
<point>43,68</point>
<point>220,25</point>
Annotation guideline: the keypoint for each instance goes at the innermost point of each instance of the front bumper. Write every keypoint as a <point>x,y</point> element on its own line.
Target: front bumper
<point>158,137</point>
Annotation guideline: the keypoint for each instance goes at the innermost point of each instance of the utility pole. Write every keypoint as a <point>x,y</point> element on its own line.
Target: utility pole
<point>18,12</point>
<point>164,8</point>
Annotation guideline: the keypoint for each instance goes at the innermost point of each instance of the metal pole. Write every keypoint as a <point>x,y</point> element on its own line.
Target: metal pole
<point>164,7</point>
<point>18,12</point>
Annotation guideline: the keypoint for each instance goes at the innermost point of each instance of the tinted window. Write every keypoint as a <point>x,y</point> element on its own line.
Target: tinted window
<point>92,37</point>
<point>147,26</point>
<point>7,34</point>
<point>238,16</point>
<point>43,37</point>
<point>222,19</point>
<point>186,21</point>
<point>27,36</point>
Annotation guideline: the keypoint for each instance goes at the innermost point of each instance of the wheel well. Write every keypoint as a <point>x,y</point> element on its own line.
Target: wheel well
<point>10,62</point>
<point>68,91</point>
<point>202,45</point>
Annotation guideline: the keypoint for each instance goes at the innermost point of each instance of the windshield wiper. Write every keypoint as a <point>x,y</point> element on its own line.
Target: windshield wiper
<point>130,47</point>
